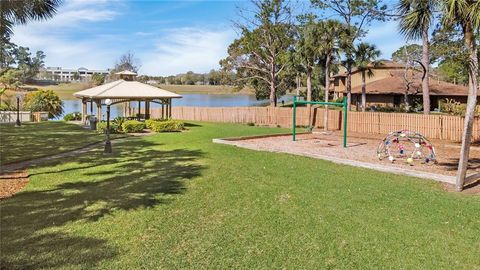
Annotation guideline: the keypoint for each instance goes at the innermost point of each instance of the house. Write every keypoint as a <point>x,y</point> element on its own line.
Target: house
<point>388,84</point>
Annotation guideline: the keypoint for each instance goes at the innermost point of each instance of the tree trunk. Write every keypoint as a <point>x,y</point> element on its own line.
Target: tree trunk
<point>273,86</point>
<point>327,88</point>
<point>309,95</point>
<point>469,37</point>
<point>425,80</point>
<point>349,86</point>
<point>364,91</point>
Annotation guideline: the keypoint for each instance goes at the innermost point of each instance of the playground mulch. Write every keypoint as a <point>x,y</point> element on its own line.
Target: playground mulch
<point>362,148</point>
<point>12,182</point>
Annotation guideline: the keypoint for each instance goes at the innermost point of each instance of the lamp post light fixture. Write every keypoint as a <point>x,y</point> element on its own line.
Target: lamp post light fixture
<point>108,144</point>
<point>17,123</point>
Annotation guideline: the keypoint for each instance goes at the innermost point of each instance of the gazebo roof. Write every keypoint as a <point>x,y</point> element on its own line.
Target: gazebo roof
<point>125,89</point>
<point>126,72</point>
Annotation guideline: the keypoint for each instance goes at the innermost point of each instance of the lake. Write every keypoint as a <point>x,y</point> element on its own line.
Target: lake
<point>72,104</point>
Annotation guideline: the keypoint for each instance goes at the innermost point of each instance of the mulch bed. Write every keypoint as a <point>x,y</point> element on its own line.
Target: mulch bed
<point>12,182</point>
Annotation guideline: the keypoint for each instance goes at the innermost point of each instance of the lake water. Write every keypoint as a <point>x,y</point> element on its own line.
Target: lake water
<point>72,104</point>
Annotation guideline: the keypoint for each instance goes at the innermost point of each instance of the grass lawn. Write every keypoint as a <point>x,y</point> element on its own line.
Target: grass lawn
<point>33,140</point>
<point>176,200</point>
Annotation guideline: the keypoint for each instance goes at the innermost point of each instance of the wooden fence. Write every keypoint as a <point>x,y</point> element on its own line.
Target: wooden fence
<point>432,126</point>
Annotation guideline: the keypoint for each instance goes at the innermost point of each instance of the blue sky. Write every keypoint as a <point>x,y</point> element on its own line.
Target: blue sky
<point>168,37</point>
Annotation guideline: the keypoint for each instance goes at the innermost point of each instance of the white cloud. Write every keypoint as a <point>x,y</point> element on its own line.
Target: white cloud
<point>56,37</point>
<point>184,49</point>
<point>75,37</point>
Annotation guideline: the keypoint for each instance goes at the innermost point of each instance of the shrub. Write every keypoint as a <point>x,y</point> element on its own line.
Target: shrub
<point>453,107</point>
<point>167,126</point>
<point>75,116</point>
<point>102,127</point>
<point>44,101</point>
<point>150,122</point>
<point>119,120</point>
<point>132,126</point>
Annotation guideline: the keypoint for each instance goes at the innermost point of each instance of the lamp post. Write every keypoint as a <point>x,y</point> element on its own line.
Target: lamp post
<point>108,144</point>
<point>17,123</point>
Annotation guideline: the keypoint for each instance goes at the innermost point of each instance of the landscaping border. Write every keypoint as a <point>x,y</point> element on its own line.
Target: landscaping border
<point>360,164</point>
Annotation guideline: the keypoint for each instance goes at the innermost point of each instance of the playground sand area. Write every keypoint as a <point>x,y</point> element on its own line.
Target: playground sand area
<point>362,151</point>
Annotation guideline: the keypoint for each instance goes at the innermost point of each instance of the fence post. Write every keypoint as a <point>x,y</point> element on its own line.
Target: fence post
<point>294,116</point>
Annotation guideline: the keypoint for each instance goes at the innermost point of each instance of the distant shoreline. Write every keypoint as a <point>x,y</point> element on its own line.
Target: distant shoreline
<point>67,89</point>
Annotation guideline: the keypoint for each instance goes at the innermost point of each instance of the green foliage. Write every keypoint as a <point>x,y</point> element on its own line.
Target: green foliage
<point>44,101</point>
<point>11,78</point>
<point>453,107</point>
<point>98,79</point>
<point>407,54</point>
<point>114,127</point>
<point>132,126</point>
<point>149,122</point>
<point>366,57</point>
<point>169,125</point>
<point>260,55</point>
<point>119,120</point>
<point>75,116</point>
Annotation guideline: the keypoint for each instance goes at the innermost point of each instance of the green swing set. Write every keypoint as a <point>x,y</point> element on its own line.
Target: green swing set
<point>338,104</point>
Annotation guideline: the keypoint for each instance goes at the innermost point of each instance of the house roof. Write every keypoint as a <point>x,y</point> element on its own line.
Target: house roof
<point>126,89</point>
<point>383,64</point>
<point>395,84</point>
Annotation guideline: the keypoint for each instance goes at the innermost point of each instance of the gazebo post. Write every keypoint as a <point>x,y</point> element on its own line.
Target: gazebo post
<point>99,109</point>
<point>139,110</point>
<point>147,109</point>
<point>169,108</point>
<point>84,111</point>
<point>163,109</point>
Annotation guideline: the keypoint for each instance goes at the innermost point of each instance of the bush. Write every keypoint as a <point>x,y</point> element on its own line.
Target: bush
<point>119,120</point>
<point>75,116</point>
<point>132,126</point>
<point>453,107</point>
<point>150,122</point>
<point>44,101</point>
<point>102,127</point>
<point>167,126</point>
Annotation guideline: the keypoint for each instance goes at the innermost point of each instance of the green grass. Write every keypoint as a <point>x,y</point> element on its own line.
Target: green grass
<point>33,140</point>
<point>176,200</point>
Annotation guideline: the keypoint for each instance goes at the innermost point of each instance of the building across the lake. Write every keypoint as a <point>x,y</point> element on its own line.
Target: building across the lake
<point>68,74</point>
<point>388,83</point>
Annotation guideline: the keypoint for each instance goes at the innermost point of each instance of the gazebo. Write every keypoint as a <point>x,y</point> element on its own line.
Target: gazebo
<point>125,90</point>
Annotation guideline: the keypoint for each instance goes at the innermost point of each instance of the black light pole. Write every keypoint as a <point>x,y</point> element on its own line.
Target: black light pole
<point>108,144</point>
<point>17,123</point>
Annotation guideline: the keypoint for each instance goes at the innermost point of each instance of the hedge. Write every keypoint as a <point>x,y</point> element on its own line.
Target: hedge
<point>132,126</point>
<point>166,126</point>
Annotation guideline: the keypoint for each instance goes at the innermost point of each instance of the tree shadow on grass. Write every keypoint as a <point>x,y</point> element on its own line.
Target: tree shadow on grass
<point>139,175</point>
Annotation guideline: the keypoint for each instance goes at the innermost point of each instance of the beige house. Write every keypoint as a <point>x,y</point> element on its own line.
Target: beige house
<point>388,85</point>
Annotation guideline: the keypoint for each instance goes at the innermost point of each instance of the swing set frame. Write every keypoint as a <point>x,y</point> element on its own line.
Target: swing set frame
<point>337,104</point>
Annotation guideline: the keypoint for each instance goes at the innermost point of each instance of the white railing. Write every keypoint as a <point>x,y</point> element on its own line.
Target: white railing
<point>25,116</point>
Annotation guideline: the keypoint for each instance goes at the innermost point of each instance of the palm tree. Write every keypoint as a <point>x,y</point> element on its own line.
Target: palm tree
<point>331,31</point>
<point>415,19</point>
<point>308,51</point>
<point>22,11</point>
<point>365,58</point>
<point>466,14</point>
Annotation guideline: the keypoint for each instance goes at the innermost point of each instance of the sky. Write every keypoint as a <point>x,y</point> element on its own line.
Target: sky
<point>167,37</point>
